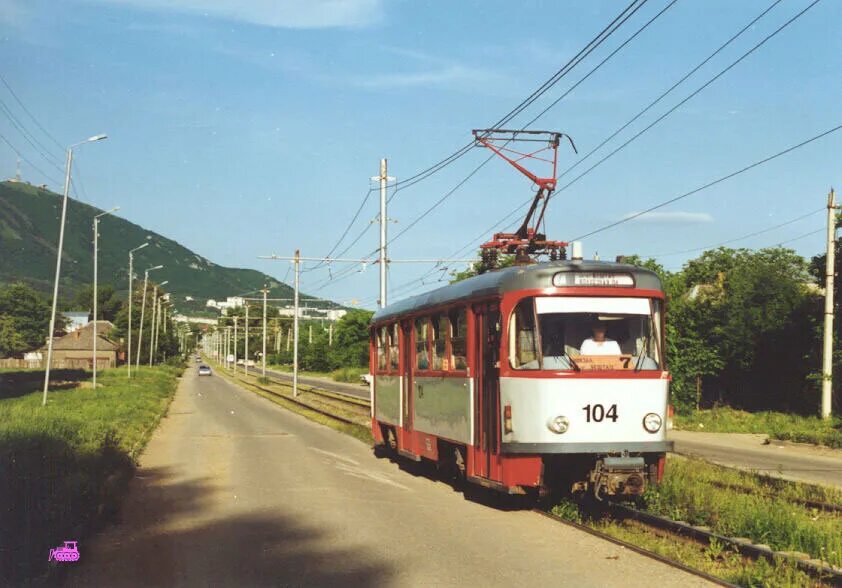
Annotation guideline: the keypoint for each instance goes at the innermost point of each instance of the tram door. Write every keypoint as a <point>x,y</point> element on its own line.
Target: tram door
<point>488,387</point>
<point>407,361</point>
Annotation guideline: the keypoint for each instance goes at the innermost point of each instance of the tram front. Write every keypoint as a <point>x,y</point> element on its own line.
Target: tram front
<point>583,384</point>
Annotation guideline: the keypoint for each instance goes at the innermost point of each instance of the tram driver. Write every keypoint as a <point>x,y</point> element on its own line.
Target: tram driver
<point>598,343</point>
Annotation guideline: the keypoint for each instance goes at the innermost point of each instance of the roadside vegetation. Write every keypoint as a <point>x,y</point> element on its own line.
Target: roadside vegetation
<point>733,504</point>
<point>778,425</point>
<point>64,467</point>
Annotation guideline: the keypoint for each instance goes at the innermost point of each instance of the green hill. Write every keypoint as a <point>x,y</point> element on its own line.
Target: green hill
<point>29,220</point>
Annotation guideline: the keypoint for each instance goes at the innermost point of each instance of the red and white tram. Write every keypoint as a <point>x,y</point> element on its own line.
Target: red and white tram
<point>540,377</point>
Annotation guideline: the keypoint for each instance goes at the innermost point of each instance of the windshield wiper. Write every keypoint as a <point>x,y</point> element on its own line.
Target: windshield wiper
<point>573,363</point>
<point>639,363</point>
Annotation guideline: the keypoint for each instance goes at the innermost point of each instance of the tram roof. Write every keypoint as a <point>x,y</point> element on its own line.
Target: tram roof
<point>523,277</point>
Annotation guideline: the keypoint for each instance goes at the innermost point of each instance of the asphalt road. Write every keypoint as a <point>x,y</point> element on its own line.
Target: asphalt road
<point>751,452</point>
<point>235,491</point>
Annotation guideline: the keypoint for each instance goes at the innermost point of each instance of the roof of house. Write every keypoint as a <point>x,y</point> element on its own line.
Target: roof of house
<point>82,339</point>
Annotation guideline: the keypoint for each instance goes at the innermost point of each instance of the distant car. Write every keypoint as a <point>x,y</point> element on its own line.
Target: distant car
<point>204,370</point>
<point>365,379</point>
<point>198,359</point>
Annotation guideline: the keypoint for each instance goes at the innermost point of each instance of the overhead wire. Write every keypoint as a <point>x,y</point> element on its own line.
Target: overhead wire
<point>603,35</point>
<point>447,195</point>
<point>663,116</point>
<point>24,158</point>
<point>711,183</point>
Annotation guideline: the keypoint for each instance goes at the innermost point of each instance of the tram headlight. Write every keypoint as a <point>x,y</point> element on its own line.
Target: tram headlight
<point>652,422</point>
<point>559,424</point>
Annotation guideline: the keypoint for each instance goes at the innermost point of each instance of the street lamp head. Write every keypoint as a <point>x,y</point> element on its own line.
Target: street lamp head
<point>157,267</point>
<point>96,138</point>
<point>164,283</point>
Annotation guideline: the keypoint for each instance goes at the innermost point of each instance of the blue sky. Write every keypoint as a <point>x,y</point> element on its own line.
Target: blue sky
<point>247,128</point>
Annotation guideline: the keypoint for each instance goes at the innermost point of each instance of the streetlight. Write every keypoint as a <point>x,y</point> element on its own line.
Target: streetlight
<point>156,305</point>
<point>143,311</point>
<point>131,276</point>
<point>96,292</point>
<point>58,260</point>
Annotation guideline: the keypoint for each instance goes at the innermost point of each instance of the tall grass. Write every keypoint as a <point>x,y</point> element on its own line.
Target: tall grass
<point>692,491</point>
<point>61,465</point>
<point>778,425</point>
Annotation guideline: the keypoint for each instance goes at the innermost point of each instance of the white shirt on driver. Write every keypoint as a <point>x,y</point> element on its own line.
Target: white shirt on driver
<point>607,347</point>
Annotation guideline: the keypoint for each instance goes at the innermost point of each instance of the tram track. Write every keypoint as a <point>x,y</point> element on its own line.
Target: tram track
<point>306,405</point>
<point>814,504</point>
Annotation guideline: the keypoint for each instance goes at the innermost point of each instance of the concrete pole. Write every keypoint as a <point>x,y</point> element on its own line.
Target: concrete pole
<point>309,334</point>
<point>289,338</point>
<point>142,312</point>
<point>96,244</point>
<point>265,292</point>
<point>383,222</point>
<point>235,343</point>
<point>830,268</point>
<point>152,323</point>
<point>246,349</point>
<point>330,335</point>
<point>129,347</point>
<point>297,263</point>
<point>58,274</point>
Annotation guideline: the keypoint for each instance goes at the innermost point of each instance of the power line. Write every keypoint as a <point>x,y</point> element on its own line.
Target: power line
<point>801,236</point>
<point>29,114</point>
<point>348,228</point>
<point>687,98</point>
<point>710,184</point>
<point>693,94</point>
<point>603,35</point>
<point>28,137</point>
<point>485,162</point>
<point>671,88</point>
<point>735,239</point>
<point>35,167</point>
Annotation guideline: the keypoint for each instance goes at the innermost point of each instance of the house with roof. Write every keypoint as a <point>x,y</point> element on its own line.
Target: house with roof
<point>75,349</point>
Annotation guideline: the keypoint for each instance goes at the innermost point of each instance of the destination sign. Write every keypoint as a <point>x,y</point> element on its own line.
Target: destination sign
<point>593,279</point>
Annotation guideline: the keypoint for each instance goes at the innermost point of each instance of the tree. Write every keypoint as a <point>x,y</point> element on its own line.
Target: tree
<point>350,340</point>
<point>108,301</point>
<point>24,319</point>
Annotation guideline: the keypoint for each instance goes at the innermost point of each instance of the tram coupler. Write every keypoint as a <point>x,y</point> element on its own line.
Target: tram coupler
<point>618,476</point>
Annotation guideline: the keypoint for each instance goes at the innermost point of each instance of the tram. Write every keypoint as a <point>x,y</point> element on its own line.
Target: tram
<point>536,378</point>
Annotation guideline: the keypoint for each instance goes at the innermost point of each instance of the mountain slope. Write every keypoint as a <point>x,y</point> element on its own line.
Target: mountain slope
<point>29,223</point>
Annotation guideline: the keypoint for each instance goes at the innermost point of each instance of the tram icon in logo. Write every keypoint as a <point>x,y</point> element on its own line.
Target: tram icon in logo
<point>69,552</point>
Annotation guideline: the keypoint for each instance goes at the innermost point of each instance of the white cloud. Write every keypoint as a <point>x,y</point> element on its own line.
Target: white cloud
<point>292,14</point>
<point>445,76</point>
<point>677,217</point>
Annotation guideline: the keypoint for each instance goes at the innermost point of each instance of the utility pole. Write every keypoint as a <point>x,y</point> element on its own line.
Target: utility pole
<point>265,292</point>
<point>246,350</point>
<point>289,338</point>
<point>330,335</point>
<point>235,343</point>
<point>297,263</point>
<point>96,291</point>
<point>309,334</point>
<point>152,323</point>
<point>384,220</point>
<point>58,263</point>
<point>131,277</point>
<point>830,268</point>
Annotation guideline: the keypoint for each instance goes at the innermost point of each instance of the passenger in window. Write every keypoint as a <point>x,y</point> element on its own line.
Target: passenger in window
<point>599,344</point>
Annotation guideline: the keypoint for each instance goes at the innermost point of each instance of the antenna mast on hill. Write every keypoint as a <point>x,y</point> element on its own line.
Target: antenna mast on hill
<point>526,240</point>
<point>17,171</point>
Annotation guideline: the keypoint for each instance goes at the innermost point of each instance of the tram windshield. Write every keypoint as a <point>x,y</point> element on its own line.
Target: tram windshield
<point>586,334</point>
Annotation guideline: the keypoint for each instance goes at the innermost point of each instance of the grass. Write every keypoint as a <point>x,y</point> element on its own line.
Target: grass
<point>343,374</point>
<point>63,465</point>
<point>692,491</point>
<point>714,559</point>
<point>777,425</point>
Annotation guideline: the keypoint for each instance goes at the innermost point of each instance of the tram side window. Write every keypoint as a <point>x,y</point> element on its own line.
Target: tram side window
<point>422,360</point>
<point>458,339</point>
<point>438,323</point>
<point>394,347</point>
<point>523,354</point>
<point>381,349</point>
